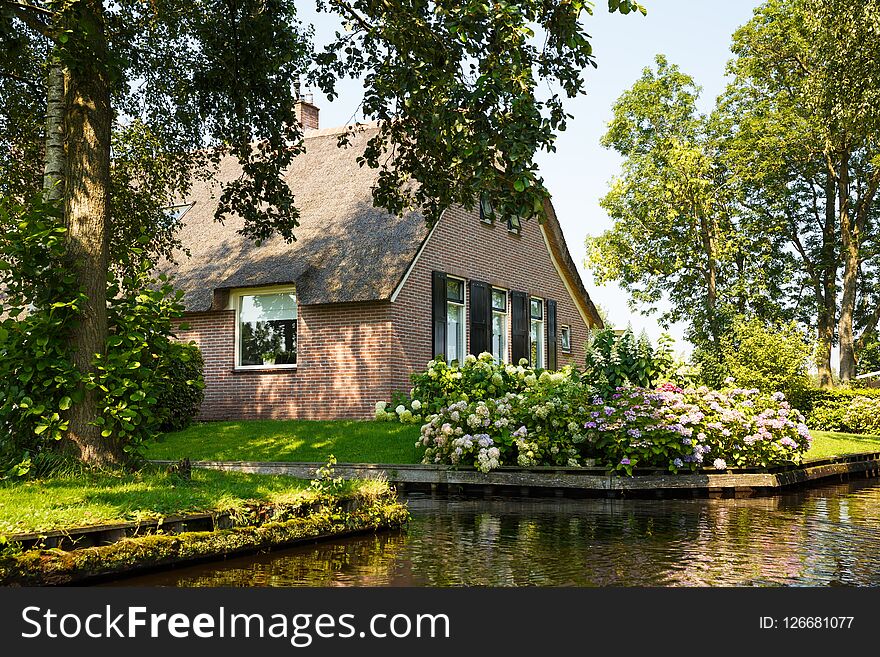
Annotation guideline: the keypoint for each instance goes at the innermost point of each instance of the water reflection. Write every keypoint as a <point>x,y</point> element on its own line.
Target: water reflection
<point>823,536</point>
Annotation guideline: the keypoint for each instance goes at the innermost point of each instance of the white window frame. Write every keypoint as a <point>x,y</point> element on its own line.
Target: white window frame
<point>542,338</point>
<point>562,329</point>
<point>235,305</point>
<point>461,338</point>
<point>505,358</point>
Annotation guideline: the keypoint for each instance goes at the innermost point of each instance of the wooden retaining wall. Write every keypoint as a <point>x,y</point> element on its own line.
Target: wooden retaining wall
<point>580,482</point>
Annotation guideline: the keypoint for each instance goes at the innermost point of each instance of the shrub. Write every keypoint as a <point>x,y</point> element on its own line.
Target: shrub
<point>852,410</point>
<point>40,306</point>
<point>559,420</point>
<point>614,361</point>
<point>474,379</point>
<point>678,428</point>
<point>182,388</point>
<point>769,357</point>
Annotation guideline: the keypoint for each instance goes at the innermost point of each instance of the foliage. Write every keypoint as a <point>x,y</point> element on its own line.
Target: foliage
<point>769,357</point>
<point>614,361</point>
<point>181,393</point>
<point>458,90</point>
<point>40,383</point>
<point>869,356</point>
<point>850,410</point>
<point>676,232</point>
<point>670,428</point>
<point>442,384</point>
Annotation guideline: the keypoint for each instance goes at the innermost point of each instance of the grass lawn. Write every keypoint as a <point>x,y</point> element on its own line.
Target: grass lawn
<point>827,444</point>
<point>292,440</point>
<point>112,497</point>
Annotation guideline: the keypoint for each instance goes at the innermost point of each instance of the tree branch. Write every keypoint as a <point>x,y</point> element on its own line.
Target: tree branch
<point>23,13</point>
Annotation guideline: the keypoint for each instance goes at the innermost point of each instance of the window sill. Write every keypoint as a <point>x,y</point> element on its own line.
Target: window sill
<point>268,369</point>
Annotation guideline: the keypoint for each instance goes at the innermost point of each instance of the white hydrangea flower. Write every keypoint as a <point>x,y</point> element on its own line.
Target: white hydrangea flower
<point>416,404</point>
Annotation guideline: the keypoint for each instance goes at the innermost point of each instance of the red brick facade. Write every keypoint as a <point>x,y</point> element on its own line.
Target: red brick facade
<point>353,354</point>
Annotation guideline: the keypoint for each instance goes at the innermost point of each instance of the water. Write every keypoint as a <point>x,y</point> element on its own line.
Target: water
<point>817,537</point>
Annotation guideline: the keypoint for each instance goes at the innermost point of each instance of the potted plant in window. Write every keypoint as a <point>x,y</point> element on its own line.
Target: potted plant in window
<point>269,358</point>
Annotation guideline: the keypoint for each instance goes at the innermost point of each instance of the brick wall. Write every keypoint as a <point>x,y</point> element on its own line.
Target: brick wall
<point>352,355</point>
<point>462,246</point>
<point>342,365</point>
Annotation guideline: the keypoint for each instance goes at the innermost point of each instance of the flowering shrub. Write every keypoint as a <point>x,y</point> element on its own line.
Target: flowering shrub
<point>533,417</point>
<point>847,410</point>
<point>679,428</point>
<point>443,384</point>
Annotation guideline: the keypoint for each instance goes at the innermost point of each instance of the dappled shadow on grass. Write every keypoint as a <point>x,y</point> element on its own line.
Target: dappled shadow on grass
<point>98,499</point>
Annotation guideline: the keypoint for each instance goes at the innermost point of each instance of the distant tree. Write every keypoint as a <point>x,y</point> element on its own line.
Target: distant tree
<point>676,233</point>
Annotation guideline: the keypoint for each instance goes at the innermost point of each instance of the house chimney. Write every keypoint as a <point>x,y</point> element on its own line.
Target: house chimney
<point>307,113</point>
<point>305,108</point>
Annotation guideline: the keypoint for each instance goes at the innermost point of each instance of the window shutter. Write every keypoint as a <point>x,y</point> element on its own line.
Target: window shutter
<point>438,311</point>
<point>481,317</point>
<point>519,326</point>
<point>552,336</point>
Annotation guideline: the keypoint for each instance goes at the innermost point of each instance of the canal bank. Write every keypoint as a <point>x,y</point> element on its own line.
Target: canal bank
<point>75,555</point>
<point>582,481</point>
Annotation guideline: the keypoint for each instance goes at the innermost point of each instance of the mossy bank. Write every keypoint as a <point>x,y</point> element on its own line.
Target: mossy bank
<point>322,514</point>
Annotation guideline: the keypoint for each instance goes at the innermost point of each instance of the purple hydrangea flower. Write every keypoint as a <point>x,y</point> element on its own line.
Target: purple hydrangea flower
<point>624,461</point>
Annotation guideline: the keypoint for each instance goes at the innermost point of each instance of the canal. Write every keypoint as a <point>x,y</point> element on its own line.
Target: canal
<point>811,537</point>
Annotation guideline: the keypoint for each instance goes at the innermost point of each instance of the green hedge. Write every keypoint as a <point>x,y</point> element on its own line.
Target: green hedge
<point>851,410</point>
<point>183,390</point>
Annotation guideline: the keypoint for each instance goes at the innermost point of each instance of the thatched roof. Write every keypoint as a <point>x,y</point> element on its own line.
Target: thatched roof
<point>346,249</point>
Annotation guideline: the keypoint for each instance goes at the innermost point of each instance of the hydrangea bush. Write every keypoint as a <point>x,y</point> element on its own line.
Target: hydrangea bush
<point>514,415</point>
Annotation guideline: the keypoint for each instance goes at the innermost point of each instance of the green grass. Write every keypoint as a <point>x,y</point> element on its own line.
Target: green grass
<point>827,444</point>
<point>94,499</point>
<point>291,440</point>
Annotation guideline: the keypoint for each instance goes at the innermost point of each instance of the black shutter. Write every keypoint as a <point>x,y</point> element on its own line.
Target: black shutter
<point>519,326</point>
<point>481,317</point>
<point>438,311</point>
<point>552,336</point>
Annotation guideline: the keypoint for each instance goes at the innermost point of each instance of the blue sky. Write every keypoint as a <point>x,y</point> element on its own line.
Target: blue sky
<point>694,34</point>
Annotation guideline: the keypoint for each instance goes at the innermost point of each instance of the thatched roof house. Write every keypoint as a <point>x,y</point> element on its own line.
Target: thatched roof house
<point>362,298</point>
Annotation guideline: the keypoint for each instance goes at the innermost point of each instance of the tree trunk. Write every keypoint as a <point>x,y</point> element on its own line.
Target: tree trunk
<point>88,119</point>
<point>828,294</point>
<point>850,250</point>
<point>711,276</point>
<point>54,160</point>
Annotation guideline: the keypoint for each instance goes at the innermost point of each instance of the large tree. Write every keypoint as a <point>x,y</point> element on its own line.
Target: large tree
<point>677,231</point>
<point>137,98</point>
<point>807,95</point>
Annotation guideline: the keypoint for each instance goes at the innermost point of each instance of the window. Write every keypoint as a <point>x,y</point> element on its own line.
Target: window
<point>487,214</point>
<point>175,212</point>
<point>499,325</point>
<point>514,225</point>
<point>454,319</point>
<point>536,343</point>
<point>565,338</point>
<point>266,329</point>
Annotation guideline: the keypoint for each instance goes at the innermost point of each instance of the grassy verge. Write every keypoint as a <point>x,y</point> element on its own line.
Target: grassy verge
<point>328,515</point>
<point>113,497</point>
<point>292,440</point>
<point>827,444</point>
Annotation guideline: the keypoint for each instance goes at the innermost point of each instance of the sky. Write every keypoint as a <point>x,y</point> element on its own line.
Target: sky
<point>694,34</point>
